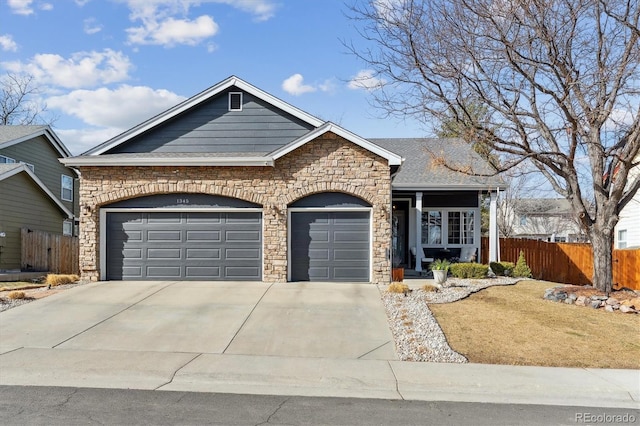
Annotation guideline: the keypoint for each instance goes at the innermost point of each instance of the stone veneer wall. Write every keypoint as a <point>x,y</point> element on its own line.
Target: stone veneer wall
<point>328,163</point>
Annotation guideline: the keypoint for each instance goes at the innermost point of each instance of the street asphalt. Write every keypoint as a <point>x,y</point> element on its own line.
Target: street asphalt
<point>298,339</point>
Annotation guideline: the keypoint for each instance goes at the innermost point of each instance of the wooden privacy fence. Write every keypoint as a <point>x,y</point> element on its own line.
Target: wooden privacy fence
<point>569,263</point>
<point>42,251</point>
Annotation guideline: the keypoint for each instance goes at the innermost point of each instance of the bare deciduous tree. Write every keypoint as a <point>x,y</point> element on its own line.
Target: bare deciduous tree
<point>559,79</point>
<point>18,101</point>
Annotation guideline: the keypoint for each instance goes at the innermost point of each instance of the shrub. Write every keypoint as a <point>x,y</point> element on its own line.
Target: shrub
<point>59,279</point>
<point>469,270</point>
<point>502,268</point>
<point>16,295</point>
<point>398,288</point>
<point>521,269</point>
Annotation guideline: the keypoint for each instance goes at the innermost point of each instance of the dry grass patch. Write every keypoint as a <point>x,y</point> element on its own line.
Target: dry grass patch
<point>17,295</point>
<point>514,325</point>
<point>397,287</point>
<point>60,279</point>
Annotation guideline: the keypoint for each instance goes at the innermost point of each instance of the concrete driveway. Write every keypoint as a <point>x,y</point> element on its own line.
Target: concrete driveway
<point>309,320</point>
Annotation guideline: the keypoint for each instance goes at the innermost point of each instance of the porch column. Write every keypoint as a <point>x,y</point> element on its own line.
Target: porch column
<point>493,227</point>
<point>418,231</point>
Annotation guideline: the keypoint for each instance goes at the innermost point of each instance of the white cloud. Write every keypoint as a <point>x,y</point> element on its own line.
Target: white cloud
<point>294,85</point>
<point>261,9</point>
<point>167,22</point>
<point>83,69</point>
<point>7,43</point>
<point>25,7</point>
<point>20,7</point>
<point>119,108</point>
<point>367,80</point>
<point>81,140</point>
<point>174,31</point>
<point>91,26</point>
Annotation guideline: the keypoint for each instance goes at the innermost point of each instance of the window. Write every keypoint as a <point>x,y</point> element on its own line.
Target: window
<point>67,188</point>
<point>461,227</point>
<point>622,238</point>
<point>449,227</point>
<point>432,227</point>
<point>8,160</point>
<point>67,228</point>
<point>235,101</point>
<point>523,220</point>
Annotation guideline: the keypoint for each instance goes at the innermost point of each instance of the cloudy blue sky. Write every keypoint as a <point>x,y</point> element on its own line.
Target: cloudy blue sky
<point>104,66</point>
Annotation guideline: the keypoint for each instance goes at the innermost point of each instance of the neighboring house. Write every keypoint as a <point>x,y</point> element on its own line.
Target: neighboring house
<point>547,219</point>
<point>627,231</point>
<point>235,184</point>
<point>36,190</point>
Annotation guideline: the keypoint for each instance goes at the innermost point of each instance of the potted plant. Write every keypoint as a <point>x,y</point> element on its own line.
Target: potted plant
<point>440,268</point>
<point>397,272</point>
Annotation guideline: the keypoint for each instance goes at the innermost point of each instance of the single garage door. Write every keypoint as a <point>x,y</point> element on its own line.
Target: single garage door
<point>184,245</point>
<point>330,246</point>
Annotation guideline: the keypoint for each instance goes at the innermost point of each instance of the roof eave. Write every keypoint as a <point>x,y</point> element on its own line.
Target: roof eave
<point>146,161</point>
<point>446,187</point>
<point>48,133</point>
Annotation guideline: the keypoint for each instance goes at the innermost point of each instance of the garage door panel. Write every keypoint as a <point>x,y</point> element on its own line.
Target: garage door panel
<point>319,254</point>
<point>210,218</point>
<point>242,254</point>
<point>205,272</point>
<point>210,236</point>
<point>164,236</point>
<point>349,274</point>
<point>241,273</point>
<point>346,255</point>
<point>330,246</point>
<point>242,236</point>
<point>132,253</point>
<point>184,245</point>
<point>243,220</point>
<point>163,272</point>
<point>203,253</point>
<point>353,235</point>
<point>164,254</point>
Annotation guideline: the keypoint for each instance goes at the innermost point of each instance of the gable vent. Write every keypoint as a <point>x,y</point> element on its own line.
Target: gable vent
<point>235,101</point>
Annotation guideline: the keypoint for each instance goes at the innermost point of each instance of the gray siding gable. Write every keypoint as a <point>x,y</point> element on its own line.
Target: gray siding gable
<point>44,157</point>
<point>209,127</point>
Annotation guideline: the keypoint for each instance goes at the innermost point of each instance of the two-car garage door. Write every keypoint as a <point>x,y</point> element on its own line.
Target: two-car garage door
<point>218,238</point>
<point>184,245</point>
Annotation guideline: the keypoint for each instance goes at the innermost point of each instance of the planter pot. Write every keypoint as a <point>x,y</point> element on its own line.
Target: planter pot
<point>440,276</point>
<point>397,275</point>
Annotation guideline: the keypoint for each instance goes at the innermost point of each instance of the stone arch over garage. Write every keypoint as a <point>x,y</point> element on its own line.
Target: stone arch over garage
<point>150,189</point>
<point>324,187</point>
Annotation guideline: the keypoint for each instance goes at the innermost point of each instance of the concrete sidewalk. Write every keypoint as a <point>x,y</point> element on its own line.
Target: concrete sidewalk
<point>274,375</point>
<point>255,338</point>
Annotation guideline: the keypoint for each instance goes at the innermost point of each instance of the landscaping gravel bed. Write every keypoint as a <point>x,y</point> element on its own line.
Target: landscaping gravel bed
<point>417,334</point>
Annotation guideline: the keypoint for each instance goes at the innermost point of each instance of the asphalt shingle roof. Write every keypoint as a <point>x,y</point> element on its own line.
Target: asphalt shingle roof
<point>422,167</point>
<point>9,133</point>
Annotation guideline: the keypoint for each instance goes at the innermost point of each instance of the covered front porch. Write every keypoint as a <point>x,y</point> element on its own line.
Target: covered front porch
<point>429,225</point>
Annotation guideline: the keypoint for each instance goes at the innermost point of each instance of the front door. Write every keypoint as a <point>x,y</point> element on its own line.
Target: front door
<point>399,234</point>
